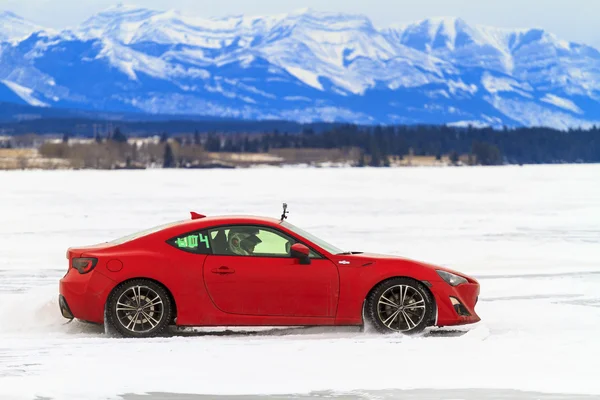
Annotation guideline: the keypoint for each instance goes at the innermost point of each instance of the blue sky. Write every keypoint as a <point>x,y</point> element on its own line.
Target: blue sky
<point>574,20</point>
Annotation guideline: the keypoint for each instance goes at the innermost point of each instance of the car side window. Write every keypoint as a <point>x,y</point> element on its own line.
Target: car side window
<point>251,241</point>
<point>192,242</point>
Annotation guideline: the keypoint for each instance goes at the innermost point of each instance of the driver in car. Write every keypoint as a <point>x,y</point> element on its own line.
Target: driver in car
<point>243,243</point>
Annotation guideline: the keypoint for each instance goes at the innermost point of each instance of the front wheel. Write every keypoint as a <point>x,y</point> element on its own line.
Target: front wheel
<point>400,305</point>
<point>139,308</point>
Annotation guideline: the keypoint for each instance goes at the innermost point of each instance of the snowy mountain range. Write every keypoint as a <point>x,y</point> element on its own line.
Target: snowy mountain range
<point>305,66</point>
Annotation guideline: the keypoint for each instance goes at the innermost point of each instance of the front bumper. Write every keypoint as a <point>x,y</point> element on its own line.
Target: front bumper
<point>455,304</point>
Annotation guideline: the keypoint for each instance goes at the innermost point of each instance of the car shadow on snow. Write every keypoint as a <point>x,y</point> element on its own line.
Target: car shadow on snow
<point>288,331</point>
<point>87,328</point>
<point>386,394</point>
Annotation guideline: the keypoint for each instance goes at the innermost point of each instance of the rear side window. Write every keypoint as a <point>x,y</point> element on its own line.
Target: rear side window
<point>193,242</point>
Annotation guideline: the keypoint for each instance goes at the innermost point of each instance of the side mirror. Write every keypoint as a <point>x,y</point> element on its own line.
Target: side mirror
<point>300,252</point>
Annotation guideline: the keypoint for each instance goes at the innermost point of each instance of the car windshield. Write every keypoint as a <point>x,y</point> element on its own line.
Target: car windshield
<point>319,242</point>
<point>139,234</point>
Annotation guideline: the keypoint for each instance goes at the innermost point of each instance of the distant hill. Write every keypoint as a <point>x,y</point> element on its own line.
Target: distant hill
<point>305,66</point>
<point>18,119</point>
<point>20,111</point>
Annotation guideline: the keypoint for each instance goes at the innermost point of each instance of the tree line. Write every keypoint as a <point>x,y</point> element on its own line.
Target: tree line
<point>486,145</point>
<point>379,144</point>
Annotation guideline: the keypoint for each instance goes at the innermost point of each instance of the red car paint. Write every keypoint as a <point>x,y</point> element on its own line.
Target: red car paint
<point>220,290</point>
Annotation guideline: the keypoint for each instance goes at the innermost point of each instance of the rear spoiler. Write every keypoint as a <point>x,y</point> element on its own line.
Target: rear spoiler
<point>195,215</point>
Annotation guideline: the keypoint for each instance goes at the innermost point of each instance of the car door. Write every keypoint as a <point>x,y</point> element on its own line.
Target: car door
<point>269,281</point>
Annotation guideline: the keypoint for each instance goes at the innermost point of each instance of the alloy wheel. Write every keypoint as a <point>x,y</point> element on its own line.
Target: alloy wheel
<point>140,309</point>
<point>401,308</point>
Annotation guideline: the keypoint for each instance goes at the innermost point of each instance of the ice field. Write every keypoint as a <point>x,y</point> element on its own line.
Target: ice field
<point>531,235</point>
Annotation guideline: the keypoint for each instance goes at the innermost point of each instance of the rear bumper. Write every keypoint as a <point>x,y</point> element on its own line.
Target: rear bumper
<point>83,296</point>
<point>64,307</point>
<point>455,305</point>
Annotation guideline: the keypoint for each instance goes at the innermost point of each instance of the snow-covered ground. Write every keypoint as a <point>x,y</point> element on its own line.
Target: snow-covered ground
<point>530,234</point>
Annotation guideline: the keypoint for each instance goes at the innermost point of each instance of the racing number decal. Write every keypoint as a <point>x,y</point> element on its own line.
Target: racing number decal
<point>191,241</point>
<point>204,239</point>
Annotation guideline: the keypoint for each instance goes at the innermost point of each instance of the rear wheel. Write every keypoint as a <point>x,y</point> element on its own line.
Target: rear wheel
<point>139,308</point>
<point>399,305</point>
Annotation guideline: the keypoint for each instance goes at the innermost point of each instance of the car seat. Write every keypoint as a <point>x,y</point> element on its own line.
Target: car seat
<point>220,243</point>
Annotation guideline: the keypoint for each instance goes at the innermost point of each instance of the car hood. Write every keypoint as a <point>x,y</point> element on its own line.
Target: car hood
<point>375,259</point>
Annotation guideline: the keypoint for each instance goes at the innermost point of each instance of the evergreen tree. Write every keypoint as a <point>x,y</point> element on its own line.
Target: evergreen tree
<point>164,137</point>
<point>374,152</point>
<point>169,157</point>
<point>386,161</point>
<point>486,153</point>
<point>213,143</point>
<point>119,136</point>
<point>361,160</point>
<point>229,146</point>
<point>454,157</point>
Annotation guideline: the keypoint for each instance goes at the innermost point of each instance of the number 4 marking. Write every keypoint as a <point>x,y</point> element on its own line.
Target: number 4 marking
<point>204,239</point>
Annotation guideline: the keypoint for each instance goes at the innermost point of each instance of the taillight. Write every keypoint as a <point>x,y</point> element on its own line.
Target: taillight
<point>84,265</point>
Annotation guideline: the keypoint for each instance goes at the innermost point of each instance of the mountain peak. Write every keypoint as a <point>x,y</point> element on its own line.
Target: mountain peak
<point>445,21</point>
<point>123,8</point>
<point>122,11</point>
<point>14,28</point>
<point>9,14</point>
<point>431,33</point>
<point>311,12</point>
<point>303,11</point>
<point>330,20</point>
<point>118,22</point>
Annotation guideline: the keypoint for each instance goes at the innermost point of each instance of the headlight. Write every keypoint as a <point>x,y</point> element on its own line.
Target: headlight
<point>451,279</point>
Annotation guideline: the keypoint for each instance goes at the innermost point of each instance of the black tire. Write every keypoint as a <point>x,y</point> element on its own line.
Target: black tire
<point>155,305</point>
<point>379,311</point>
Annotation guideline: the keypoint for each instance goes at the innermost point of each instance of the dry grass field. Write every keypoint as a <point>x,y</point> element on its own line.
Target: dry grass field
<point>61,156</point>
<point>11,159</point>
<point>317,156</point>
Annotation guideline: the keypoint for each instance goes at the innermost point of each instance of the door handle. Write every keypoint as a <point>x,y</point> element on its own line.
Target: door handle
<point>223,270</point>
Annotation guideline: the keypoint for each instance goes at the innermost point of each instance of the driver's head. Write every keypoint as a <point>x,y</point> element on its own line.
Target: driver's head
<point>242,241</point>
<point>249,243</point>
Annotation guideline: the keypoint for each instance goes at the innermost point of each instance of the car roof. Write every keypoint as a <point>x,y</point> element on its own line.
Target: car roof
<point>201,220</point>
<point>197,221</point>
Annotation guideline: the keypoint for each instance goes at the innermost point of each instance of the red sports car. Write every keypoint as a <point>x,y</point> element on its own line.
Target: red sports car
<point>254,271</point>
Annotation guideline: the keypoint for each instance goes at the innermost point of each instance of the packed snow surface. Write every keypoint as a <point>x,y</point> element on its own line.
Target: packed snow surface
<point>531,235</point>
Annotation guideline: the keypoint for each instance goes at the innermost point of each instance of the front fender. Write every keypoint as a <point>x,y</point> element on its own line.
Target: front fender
<point>356,282</point>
